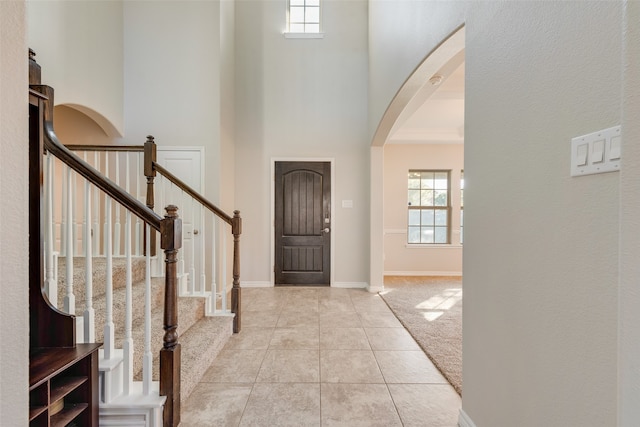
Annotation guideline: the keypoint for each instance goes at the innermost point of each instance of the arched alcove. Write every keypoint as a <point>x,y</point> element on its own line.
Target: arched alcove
<point>81,125</point>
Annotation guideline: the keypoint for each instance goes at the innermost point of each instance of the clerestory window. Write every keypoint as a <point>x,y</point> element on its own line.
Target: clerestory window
<point>304,16</point>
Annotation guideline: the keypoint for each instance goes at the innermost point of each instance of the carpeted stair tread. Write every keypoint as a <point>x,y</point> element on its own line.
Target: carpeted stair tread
<point>190,310</point>
<point>199,347</point>
<point>119,305</point>
<point>99,277</point>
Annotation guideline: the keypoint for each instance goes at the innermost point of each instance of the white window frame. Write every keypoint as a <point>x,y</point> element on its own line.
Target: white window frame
<point>445,208</point>
<point>461,206</point>
<point>304,34</point>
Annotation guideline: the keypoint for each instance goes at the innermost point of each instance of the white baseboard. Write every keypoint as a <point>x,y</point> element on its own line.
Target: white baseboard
<point>423,273</point>
<point>464,420</point>
<point>358,285</point>
<point>375,289</point>
<point>258,284</point>
<point>246,284</point>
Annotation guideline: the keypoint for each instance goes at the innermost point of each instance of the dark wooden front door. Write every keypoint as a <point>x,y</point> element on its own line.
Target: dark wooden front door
<point>303,223</point>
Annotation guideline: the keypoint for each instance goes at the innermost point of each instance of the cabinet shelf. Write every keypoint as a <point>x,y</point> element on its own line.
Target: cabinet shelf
<point>34,411</point>
<point>67,415</point>
<point>62,386</point>
<point>63,376</point>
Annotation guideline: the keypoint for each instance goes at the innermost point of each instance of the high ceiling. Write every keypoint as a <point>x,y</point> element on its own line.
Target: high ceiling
<point>439,119</point>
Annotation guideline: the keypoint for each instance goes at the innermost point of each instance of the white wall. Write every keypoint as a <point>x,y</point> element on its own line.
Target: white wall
<point>14,226</point>
<point>541,248</point>
<point>172,77</point>
<point>400,258</point>
<point>629,332</point>
<point>79,46</point>
<point>300,98</point>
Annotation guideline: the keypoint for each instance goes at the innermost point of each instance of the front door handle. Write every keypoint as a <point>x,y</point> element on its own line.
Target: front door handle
<point>325,230</point>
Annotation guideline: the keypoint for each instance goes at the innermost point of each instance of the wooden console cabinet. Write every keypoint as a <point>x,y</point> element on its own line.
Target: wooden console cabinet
<point>62,384</point>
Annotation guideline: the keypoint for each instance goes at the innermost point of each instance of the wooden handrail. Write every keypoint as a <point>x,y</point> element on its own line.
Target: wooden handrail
<point>151,167</point>
<point>190,191</point>
<point>52,144</point>
<point>81,147</point>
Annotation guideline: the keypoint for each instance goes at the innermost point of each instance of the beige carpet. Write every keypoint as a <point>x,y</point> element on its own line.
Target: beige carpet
<point>431,310</point>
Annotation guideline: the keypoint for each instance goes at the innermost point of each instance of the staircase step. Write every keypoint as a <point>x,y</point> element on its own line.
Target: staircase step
<point>200,345</point>
<point>190,310</point>
<point>119,305</point>
<point>99,276</point>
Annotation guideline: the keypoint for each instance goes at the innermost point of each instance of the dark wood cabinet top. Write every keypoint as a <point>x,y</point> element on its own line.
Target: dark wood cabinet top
<point>46,362</point>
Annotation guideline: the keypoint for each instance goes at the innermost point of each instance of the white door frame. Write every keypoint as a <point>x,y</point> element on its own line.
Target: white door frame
<point>272,249</point>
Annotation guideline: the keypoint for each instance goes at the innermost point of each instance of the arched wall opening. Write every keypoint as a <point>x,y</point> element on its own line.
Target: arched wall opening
<point>447,57</point>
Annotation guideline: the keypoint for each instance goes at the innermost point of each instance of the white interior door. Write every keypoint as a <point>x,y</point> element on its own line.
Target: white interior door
<point>186,164</point>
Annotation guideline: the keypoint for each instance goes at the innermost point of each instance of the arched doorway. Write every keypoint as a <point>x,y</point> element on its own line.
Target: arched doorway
<point>442,62</point>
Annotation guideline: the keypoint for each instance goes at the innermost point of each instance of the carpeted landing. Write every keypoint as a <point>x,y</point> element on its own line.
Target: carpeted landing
<point>430,308</point>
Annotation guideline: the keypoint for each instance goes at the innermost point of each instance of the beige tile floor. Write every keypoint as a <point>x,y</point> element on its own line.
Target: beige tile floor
<point>320,357</point>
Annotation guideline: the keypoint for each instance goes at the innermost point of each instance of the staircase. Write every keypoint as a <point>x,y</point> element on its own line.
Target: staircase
<point>97,241</point>
<point>202,337</point>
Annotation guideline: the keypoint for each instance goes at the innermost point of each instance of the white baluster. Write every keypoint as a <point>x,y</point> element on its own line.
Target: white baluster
<point>192,255</point>
<point>127,345</point>
<point>63,212</point>
<point>96,212</point>
<point>127,183</point>
<point>51,285</point>
<point>108,325</point>
<point>116,228</point>
<point>89,313</point>
<point>138,192</point>
<point>148,357</point>
<point>203,271</point>
<point>107,217</point>
<point>224,272</point>
<point>214,286</point>
<point>69,298</point>
<point>181,254</point>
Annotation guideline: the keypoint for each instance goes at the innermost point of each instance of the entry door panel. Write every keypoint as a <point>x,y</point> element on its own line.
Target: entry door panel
<point>303,227</point>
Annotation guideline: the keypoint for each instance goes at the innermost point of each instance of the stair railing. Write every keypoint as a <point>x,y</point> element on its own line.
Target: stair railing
<point>198,274</point>
<point>123,165</point>
<point>169,228</point>
<point>197,282</point>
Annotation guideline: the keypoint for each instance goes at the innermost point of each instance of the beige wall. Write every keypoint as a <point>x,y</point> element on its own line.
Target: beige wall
<point>541,249</point>
<point>172,77</point>
<point>629,332</point>
<point>14,227</point>
<point>399,257</point>
<point>302,98</point>
<point>79,46</point>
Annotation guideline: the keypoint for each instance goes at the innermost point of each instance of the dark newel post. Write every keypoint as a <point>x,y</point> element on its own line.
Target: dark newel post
<point>150,173</point>
<point>171,241</point>
<point>49,327</point>
<point>236,229</point>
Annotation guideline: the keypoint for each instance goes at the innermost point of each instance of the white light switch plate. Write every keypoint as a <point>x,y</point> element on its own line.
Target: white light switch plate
<point>601,157</point>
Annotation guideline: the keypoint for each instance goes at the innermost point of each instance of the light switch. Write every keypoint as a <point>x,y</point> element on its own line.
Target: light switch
<point>581,159</point>
<point>614,149</point>
<point>597,152</point>
<point>597,155</point>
